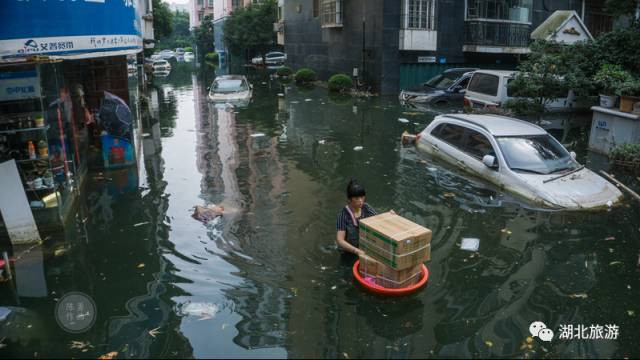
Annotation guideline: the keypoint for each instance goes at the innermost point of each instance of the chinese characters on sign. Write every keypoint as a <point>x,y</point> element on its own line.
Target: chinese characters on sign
<point>75,312</point>
<point>593,332</point>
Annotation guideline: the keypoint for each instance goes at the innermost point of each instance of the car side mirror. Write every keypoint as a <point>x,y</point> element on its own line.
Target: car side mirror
<point>208,88</point>
<point>490,161</point>
<point>573,155</point>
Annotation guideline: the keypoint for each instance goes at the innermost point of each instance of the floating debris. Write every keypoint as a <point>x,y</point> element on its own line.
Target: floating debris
<point>470,244</point>
<point>506,231</point>
<point>255,135</point>
<point>204,310</point>
<point>358,148</point>
<point>449,195</point>
<point>488,343</point>
<point>321,142</point>
<point>207,213</point>
<point>154,332</point>
<point>280,94</point>
<point>140,266</point>
<point>110,355</point>
<point>579,296</point>
<point>610,238</point>
<point>307,100</point>
<point>140,224</point>
<point>403,120</point>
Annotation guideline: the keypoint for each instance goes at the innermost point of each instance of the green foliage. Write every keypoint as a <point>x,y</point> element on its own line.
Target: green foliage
<point>284,71</point>
<point>211,57</point>
<point>629,88</point>
<point>540,80</point>
<point>626,152</point>
<point>305,76</point>
<point>620,46</point>
<point>188,49</point>
<point>340,83</point>
<point>162,20</point>
<point>204,37</point>
<point>259,18</point>
<point>180,36</point>
<point>610,77</point>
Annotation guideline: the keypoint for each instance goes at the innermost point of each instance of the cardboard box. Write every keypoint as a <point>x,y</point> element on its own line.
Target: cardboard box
<point>395,241</point>
<point>388,277</point>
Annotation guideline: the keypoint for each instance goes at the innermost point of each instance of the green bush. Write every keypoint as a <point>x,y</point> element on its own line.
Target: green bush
<point>284,71</point>
<point>188,49</point>
<point>211,57</point>
<point>305,76</point>
<point>340,83</point>
<point>610,77</point>
<point>626,152</point>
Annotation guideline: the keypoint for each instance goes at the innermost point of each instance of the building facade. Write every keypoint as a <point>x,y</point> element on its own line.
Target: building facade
<point>394,44</point>
<point>198,10</point>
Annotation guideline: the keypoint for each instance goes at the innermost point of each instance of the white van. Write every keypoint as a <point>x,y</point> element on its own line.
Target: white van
<point>488,89</point>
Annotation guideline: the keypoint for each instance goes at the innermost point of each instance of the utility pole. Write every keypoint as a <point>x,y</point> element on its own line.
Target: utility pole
<point>364,36</point>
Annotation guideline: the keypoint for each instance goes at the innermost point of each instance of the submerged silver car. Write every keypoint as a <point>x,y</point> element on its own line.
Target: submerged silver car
<point>518,157</point>
<point>233,89</point>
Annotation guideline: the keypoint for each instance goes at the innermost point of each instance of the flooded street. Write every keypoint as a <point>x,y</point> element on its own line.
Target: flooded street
<point>266,280</point>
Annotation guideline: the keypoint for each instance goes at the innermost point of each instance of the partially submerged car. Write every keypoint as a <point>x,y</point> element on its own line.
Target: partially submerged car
<point>518,157</point>
<point>447,88</point>
<point>233,89</point>
<point>161,66</point>
<point>271,58</point>
<point>489,89</point>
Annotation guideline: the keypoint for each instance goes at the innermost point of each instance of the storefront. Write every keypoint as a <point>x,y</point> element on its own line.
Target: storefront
<point>68,96</point>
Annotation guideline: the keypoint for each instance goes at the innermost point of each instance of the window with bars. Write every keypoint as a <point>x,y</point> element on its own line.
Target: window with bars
<point>331,12</point>
<point>235,4</point>
<point>419,14</point>
<point>508,10</point>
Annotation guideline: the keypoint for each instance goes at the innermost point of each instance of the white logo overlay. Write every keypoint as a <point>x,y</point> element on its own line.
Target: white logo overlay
<point>539,329</point>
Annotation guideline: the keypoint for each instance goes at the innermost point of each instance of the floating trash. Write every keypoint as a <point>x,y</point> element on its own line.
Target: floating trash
<point>321,142</point>
<point>403,120</point>
<point>203,310</point>
<point>307,100</point>
<point>281,94</point>
<point>470,244</point>
<point>257,135</point>
<point>358,148</point>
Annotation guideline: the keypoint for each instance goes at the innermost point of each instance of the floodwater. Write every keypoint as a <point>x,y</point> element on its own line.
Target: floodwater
<point>266,280</point>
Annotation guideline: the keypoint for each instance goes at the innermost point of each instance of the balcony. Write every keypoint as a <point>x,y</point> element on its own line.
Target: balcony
<point>496,37</point>
<point>279,29</point>
<point>417,32</point>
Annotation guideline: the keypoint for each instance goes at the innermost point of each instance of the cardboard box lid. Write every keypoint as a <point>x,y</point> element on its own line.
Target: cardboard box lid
<point>394,226</point>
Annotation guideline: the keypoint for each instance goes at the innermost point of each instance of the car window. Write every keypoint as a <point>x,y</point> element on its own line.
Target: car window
<point>536,154</point>
<point>477,145</point>
<point>484,84</point>
<point>464,82</point>
<point>229,85</point>
<point>450,133</point>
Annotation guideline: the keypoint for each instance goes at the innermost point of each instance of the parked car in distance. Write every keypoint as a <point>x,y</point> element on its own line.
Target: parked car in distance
<point>179,51</point>
<point>447,88</point>
<point>271,58</point>
<point>161,65</point>
<point>233,89</point>
<point>488,89</point>
<point>518,157</point>
<point>188,56</point>
<point>167,54</point>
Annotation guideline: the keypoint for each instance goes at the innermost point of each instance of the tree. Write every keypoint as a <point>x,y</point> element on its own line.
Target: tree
<point>162,20</point>
<point>204,37</point>
<point>622,7</point>
<point>250,29</point>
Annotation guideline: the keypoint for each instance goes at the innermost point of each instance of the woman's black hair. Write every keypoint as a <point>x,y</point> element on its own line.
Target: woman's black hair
<point>354,189</point>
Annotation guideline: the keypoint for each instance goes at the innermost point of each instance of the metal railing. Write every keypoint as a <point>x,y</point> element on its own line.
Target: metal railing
<point>418,15</point>
<point>486,33</point>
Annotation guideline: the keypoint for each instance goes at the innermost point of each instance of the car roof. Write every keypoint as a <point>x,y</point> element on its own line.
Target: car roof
<point>497,125</point>
<point>230,77</point>
<point>460,70</point>
<point>497,72</point>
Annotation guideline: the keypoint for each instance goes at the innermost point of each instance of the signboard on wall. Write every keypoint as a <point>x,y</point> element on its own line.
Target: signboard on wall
<point>427,59</point>
<point>68,27</point>
<point>16,85</point>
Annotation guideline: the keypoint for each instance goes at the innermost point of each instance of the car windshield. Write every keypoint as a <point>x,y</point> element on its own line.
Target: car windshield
<point>442,82</point>
<point>540,154</point>
<point>225,86</point>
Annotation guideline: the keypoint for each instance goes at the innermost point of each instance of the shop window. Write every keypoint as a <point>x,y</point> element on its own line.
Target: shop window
<point>331,13</point>
<point>419,14</point>
<point>506,10</point>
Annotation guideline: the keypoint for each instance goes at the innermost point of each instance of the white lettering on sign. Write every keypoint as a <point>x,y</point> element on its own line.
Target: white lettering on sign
<point>426,59</point>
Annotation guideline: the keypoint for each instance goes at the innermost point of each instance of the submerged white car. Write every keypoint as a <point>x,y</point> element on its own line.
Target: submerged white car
<point>518,157</point>
<point>233,89</point>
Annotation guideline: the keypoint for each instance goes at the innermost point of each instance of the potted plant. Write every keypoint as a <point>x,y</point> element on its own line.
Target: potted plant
<point>629,93</point>
<point>609,78</point>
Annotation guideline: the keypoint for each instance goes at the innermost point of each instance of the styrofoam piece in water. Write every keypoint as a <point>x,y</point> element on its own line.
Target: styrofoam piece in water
<point>470,244</point>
